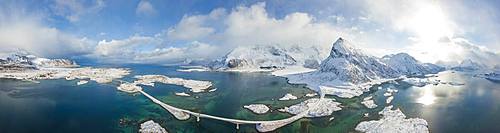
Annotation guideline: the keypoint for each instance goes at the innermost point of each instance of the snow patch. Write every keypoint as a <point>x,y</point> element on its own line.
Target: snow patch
<point>393,121</point>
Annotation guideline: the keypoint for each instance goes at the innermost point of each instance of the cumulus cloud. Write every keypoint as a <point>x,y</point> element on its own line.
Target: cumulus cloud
<point>145,8</point>
<point>124,47</point>
<point>254,26</point>
<point>21,30</point>
<point>196,27</point>
<point>142,49</point>
<point>72,10</point>
<point>193,51</point>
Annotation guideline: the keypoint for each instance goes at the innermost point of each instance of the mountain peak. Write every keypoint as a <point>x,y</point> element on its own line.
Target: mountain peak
<point>342,48</point>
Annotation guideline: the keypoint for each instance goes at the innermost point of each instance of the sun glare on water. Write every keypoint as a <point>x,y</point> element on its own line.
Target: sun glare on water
<point>427,98</point>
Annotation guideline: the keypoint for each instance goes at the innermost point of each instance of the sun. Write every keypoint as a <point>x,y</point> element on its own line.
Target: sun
<point>429,23</point>
<point>430,29</point>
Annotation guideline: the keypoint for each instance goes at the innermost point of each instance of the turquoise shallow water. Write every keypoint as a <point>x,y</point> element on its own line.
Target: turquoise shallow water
<point>61,106</point>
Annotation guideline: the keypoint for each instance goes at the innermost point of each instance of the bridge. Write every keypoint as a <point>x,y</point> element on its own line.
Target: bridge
<point>261,126</point>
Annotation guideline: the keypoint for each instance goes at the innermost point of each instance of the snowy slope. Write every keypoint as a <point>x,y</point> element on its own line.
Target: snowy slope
<point>348,63</point>
<point>407,65</point>
<point>348,72</point>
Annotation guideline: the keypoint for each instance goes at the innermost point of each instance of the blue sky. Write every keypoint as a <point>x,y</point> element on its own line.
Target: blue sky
<point>169,31</point>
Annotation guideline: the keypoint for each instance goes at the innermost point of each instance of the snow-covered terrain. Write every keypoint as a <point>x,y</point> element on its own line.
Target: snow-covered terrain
<point>81,82</point>
<point>100,75</point>
<point>151,127</point>
<point>326,108</point>
<point>348,72</point>
<point>257,108</point>
<point>369,102</point>
<point>184,94</point>
<point>27,61</point>
<point>195,86</point>
<point>287,97</point>
<point>393,121</point>
<point>407,65</point>
<point>494,76</point>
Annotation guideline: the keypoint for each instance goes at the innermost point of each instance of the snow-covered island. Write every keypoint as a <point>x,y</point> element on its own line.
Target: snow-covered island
<point>257,108</point>
<point>494,76</point>
<point>311,94</point>
<point>393,121</point>
<point>151,127</point>
<point>81,82</point>
<point>29,67</point>
<point>421,82</point>
<point>195,86</point>
<point>389,99</point>
<point>287,96</point>
<point>325,107</point>
<point>193,69</point>
<point>183,94</point>
<point>369,102</point>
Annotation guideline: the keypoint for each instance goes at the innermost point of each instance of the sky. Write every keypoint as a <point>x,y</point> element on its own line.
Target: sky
<point>168,31</point>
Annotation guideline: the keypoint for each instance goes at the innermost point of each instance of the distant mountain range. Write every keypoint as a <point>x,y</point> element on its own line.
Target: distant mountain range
<point>262,57</point>
<point>345,62</point>
<point>19,61</point>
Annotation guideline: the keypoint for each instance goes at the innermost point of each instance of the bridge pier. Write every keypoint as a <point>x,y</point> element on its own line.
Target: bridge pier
<point>237,126</point>
<point>197,119</point>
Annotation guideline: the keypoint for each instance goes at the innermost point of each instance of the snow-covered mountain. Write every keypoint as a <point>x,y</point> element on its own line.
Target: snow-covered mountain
<point>407,65</point>
<point>262,57</point>
<point>25,61</point>
<point>469,65</point>
<point>348,63</point>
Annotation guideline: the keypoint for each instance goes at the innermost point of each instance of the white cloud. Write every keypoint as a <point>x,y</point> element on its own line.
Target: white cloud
<point>212,35</point>
<point>72,10</point>
<point>145,8</point>
<point>195,27</point>
<point>141,49</point>
<point>20,30</point>
<point>193,51</point>
<point>121,48</point>
<point>253,26</point>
